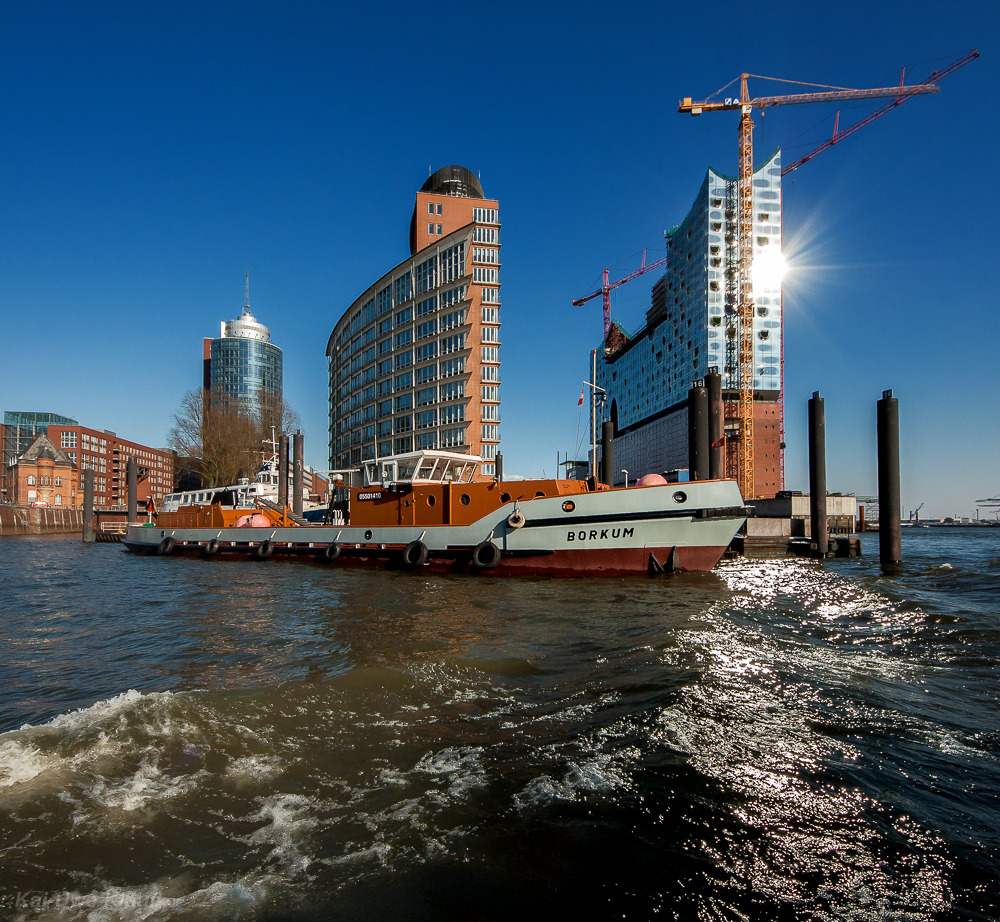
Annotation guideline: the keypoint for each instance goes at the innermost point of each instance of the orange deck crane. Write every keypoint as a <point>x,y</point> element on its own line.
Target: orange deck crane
<point>744,455</point>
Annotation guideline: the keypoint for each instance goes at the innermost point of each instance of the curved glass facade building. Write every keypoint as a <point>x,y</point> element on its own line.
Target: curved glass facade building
<point>690,330</point>
<point>415,359</point>
<point>244,363</point>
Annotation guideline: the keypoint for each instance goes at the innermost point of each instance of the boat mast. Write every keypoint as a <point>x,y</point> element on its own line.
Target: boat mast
<point>593,414</point>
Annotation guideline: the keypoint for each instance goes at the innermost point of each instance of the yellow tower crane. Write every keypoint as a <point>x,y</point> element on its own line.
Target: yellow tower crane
<point>745,104</point>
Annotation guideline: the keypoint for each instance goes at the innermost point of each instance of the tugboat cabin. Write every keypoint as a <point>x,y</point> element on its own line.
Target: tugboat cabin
<point>428,488</point>
<point>422,467</point>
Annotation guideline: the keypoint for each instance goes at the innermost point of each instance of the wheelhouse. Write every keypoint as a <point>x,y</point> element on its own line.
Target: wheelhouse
<point>422,467</point>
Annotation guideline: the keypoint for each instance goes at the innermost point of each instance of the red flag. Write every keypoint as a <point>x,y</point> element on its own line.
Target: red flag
<point>579,403</point>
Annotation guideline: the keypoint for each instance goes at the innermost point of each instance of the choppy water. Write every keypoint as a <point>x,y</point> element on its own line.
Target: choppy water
<point>189,739</point>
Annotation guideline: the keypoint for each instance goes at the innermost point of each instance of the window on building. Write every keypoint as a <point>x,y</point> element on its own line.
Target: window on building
<point>426,352</point>
<point>452,320</point>
<point>486,215</point>
<point>453,367</point>
<point>453,296</point>
<point>31,480</point>
<point>439,212</point>
<point>453,263</point>
<point>402,289</point>
<point>453,343</point>
<point>486,255</point>
<point>453,414</point>
<point>427,275</point>
<point>452,438</point>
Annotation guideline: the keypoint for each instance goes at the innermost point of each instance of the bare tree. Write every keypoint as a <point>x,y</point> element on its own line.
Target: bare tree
<point>274,412</point>
<point>222,438</point>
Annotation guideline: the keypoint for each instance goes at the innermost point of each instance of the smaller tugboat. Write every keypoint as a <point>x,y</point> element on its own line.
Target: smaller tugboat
<point>428,509</point>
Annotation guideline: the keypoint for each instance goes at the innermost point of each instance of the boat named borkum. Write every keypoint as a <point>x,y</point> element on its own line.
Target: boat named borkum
<point>428,509</point>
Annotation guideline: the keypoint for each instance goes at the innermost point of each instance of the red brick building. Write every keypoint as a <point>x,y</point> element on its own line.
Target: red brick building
<point>107,456</point>
<point>44,475</point>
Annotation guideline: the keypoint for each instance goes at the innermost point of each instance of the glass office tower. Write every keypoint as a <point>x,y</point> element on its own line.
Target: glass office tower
<point>245,364</point>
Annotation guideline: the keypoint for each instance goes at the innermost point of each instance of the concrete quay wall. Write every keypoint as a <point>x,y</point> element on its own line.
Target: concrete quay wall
<point>40,520</point>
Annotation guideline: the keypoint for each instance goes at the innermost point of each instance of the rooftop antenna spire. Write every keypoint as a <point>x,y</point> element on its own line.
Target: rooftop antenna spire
<point>246,303</point>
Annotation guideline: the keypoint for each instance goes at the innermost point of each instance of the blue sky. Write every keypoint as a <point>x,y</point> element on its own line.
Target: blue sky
<point>151,154</point>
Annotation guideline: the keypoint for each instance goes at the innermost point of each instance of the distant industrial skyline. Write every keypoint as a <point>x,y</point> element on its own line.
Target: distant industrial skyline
<point>151,156</point>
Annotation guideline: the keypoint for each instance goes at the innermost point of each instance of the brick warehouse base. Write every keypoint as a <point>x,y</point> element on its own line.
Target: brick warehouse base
<point>36,520</point>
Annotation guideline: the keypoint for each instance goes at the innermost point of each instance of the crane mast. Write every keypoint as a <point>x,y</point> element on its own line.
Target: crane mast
<point>744,447</point>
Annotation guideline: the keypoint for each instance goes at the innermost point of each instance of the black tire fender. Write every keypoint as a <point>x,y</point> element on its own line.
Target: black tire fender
<point>210,549</point>
<point>264,550</point>
<point>167,546</point>
<point>415,555</point>
<point>331,551</point>
<point>485,555</point>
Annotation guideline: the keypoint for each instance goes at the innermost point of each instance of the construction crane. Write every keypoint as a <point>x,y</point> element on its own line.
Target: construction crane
<point>607,287</point>
<point>991,502</point>
<point>744,455</point>
<point>839,136</point>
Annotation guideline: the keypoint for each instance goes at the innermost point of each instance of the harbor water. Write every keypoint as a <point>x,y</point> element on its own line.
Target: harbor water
<point>211,739</point>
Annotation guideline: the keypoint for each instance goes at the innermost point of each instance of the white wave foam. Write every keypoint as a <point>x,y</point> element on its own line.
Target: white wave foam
<point>140,790</point>
<point>461,769</point>
<point>287,819</point>
<point>603,773</point>
<point>95,713</point>
<point>253,768</point>
<point>38,753</point>
<point>20,763</point>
